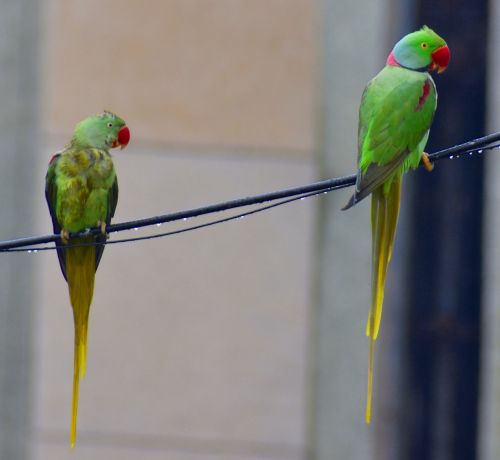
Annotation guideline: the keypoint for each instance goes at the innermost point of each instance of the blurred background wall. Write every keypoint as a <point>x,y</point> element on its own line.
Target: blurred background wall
<point>198,344</point>
<point>246,340</point>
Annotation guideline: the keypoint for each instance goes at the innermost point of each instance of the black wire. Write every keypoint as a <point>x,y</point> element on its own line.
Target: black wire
<point>471,147</point>
<point>173,232</point>
<point>318,187</point>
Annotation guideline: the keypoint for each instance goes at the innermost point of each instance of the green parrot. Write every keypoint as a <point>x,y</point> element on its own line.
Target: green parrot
<point>82,192</point>
<point>396,112</point>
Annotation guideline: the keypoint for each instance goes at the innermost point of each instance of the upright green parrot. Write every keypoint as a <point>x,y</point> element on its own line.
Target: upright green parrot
<point>82,192</point>
<point>396,112</point>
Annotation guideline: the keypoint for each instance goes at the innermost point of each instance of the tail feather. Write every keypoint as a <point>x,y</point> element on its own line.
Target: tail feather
<point>80,271</point>
<point>384,218</point>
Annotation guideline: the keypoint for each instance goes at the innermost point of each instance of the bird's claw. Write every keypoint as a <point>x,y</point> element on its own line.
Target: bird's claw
<point>426,162</point>
<point>64,236</point>
<point>102,225</point>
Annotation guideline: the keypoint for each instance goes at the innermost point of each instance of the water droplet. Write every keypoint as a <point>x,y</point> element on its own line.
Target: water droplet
<point>185,218</point>
<point>158,225</point>
<point>470,153</point>
<point>303,198</point>
<point>35,251</point>
<point>29,251</point>
<point>480,151</point>
<point>135,229</point>
<point>325,193</point>
<point>451,157</point>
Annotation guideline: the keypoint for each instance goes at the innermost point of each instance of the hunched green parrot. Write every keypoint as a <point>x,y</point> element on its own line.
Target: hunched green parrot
<point>81,189</point>
<point>396,112</point>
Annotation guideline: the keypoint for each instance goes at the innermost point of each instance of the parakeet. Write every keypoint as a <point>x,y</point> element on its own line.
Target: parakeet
<point>81,189</point>
<point>396,112</point>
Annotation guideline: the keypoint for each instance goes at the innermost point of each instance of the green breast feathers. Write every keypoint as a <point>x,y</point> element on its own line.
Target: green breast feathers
<point>83,180</point>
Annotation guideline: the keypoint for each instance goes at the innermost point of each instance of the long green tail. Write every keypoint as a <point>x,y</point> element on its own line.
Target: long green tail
<point>80,272</point>
<point>384,217</point>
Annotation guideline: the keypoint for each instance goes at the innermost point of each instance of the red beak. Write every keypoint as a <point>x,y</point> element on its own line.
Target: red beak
<point>440,59</point>
<point>123,137</point>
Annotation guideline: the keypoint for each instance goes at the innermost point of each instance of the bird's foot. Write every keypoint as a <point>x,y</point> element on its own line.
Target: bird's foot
<point>64,236</point>
<point>102,226</point>
<point>426,162</point>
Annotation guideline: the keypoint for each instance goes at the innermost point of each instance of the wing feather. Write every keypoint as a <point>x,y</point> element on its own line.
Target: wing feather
<point>51,197</point>
<point>392,123</point>
<point>112,202</point>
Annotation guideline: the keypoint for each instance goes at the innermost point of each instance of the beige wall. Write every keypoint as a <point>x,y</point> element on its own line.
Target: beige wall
<point>217,72</point>
<point>198,343</point>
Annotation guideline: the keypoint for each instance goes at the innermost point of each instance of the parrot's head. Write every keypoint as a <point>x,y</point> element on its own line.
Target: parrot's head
<point>421,50</point>
<point>103,131</point>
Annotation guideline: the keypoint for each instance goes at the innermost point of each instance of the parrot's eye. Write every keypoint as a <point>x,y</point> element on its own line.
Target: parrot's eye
<point>110,125</point>
<point>423,45</point>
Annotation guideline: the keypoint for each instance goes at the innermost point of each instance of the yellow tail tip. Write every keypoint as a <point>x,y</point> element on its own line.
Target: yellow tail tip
<point>369,392</point>
<point>368,410</point>
<point>368,413</point>
<point>76,390</point>
<point>72,437</point>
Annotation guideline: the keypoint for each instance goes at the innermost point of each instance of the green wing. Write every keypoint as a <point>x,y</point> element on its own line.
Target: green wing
<point>51,191</point>
<point>394,120</point>
<point>112,202</point>
<point>51,197</point>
